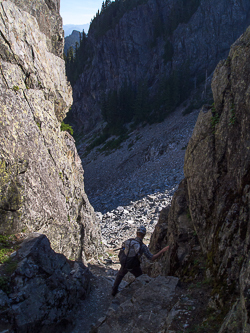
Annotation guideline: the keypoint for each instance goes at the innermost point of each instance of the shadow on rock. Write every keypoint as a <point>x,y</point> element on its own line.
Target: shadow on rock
<point>44,289</point>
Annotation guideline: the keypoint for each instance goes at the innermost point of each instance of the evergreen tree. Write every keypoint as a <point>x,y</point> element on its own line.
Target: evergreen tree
<point>141,105</point>
<point>107,3</point>
<point>103,7</point>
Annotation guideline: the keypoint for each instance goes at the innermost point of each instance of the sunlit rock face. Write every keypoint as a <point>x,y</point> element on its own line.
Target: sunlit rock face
<point>41,177</point>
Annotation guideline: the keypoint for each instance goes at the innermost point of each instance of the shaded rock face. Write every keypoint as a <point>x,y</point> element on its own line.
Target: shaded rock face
<point>141,306</point>
<point>44,288</point>
<point>132,52</point>
<point>41,177</point>
<point>176,228</point>
<point>216,197</point>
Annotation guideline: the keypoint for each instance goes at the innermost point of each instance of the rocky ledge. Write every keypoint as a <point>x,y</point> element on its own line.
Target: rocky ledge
<point>43,290</point>
<point>140,307</point>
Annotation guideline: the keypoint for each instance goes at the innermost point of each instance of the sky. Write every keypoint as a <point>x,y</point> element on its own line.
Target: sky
<point>79,11</point>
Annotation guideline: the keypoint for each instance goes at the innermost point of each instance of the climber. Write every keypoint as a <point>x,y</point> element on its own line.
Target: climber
<point>129,255</point>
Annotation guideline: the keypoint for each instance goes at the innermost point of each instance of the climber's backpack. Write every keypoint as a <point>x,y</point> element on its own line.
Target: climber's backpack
<point>129,252</point>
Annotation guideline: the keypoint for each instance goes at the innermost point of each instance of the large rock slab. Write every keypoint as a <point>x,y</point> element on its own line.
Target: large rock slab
<point>141,306</point>
<point>44,289</point>
<point>41,176</point>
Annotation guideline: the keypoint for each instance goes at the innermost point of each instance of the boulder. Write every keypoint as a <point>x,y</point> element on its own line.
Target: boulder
<point>140,307</point>
<point>44,289</point>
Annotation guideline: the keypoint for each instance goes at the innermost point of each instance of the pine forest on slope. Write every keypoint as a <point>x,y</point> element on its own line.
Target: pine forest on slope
<point>133,102</point>
<point>143,58</point>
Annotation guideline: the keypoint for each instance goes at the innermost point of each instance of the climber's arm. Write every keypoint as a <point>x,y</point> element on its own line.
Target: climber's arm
<point>151,256</point>
<point>157,255</point>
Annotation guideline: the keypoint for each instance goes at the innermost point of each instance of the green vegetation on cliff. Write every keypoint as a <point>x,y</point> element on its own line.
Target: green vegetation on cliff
<point>72,40</point>
<point>78,59</point>
<point>136,104</point>
<point>162,50</point>
<point>67,127</point>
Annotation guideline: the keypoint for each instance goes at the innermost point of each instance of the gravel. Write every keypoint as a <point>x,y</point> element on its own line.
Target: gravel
<point>149,162</point>
<point>130,186</point>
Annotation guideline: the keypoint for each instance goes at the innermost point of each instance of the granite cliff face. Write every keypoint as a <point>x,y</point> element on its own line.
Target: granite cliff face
<point>210,210</point>
<point>41,177</point>
<point>137,49</point>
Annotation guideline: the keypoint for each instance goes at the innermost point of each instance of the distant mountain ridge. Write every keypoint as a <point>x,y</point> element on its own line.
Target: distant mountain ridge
<point>68,28</point>
<point>71,40</point>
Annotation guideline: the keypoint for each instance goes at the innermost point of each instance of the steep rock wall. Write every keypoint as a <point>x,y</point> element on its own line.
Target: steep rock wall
<point>134,50</point>
<point>211,206</point>
<point>41,177</point>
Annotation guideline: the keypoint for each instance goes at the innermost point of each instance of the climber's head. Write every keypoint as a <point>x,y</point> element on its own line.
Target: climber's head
<point>141,231</point>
